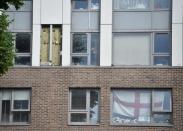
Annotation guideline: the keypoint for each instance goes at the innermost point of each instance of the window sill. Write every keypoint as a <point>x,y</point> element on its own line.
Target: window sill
<point>144,125</point>
<point>15,124</point>
<point>82,124</point>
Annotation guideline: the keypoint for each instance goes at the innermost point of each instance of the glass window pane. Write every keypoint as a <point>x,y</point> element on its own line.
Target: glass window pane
<point>131,106</point>
<point>80,4</point>
<point>78,99</point>
<point>95,4</point>
<point>162,60</point>
<point>5,116</point>
<point>21,104</point>
<point>162,118</point>
<point>162,101</point>
<point>78,117</point>
<point>162,4</point>
<point>23,43</point>
<point>22,60</point>
<point>131,4</point>
<point>162,43</point>
<point>95,49</point>
<point>79,60</point>
<point>20,116</point>
<point>79,43</point>
<point>94,106</point>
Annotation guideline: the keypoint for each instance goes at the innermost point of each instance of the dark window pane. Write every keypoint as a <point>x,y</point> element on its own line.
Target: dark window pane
<point>21,104</point>
<point>79,43</point>
<point>78,117</point>
<point>162,4</point>
<point>78,99</point>
<point>94,106</point>
<point>95,4</point>
<point>80,4</point>
<point>20,116</point>
<point>162,43</point>
<point>79,60</point>
<point>23,43</point>
<point>162,118</point>
<point>5,111</point>
<point>22,60</point>
<point>95,49</point>
<point>162,60</point>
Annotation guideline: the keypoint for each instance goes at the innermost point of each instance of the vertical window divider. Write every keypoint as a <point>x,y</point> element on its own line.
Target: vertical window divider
<point>89,48</point>
<point>50,44</point>
<point>0,104</point>
<point>88,106</point>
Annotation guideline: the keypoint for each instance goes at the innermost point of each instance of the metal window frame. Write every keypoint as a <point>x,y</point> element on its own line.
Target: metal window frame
<point>82,111</point>
<point>26,54</point>
<point>88,8</point>
<point>151,8</point>
<point>88,53</point>
<point>12,111</point>
<point>151,106</point>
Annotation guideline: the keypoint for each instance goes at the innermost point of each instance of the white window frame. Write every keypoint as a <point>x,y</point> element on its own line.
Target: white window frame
<point>22,54</point>
<point>82,111</point>
<point>88,53</point>
<point>13,110</point>
<point>89,6</point>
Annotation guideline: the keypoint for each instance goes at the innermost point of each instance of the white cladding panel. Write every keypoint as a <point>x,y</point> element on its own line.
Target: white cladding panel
<point>51,11</point>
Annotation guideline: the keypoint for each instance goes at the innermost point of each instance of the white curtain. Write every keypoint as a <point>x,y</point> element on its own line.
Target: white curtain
<point>161,101</point>
<point>21,95</point>
<point>131,106</point>
<point>131,4</point>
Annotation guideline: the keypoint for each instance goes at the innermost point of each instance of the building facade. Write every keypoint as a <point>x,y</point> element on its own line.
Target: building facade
<point>95,65</point>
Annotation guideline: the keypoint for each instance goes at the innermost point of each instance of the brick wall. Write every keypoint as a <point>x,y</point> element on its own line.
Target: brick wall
<point>50,89</point>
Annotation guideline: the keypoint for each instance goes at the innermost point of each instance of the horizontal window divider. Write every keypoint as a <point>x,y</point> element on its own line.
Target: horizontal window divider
<point>23,54</point>
<point>160,10</point>
<point>85,10</point>
<point>80,31</point>
<point>140,31</point>
<point>79,54</point>
<point>161,54</point>
<point>144,125</point>
<point>78,111</point>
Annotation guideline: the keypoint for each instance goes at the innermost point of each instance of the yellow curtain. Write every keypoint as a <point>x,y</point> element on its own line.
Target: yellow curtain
<point>44,45</point>
<point>56,46</point>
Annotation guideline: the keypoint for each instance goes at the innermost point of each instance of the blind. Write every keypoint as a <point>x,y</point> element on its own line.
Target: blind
<point>131,49</point>
<point>21,95</point>
<point>6,95</point>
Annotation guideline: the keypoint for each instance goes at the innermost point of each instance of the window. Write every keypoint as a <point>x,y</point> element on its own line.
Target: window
<point>85,4</point>
<point>14,106</point>
<point>23,48</point>
<point>131,4</point>
<point>141,106</point>
<point>51,45</point>
<point>162,49</point>
<point>84,106</point>
<point>162,4</point>
<point>85,49</point>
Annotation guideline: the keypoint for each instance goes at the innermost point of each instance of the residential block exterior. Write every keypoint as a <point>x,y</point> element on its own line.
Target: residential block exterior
<point>95,65</point>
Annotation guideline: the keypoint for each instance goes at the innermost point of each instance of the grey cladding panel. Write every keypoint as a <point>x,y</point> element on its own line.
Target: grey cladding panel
<point>161,20</point>
<point>94,20</point>
<point>22,21</point>
<point>80,20</point>
<point>131,20</point>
